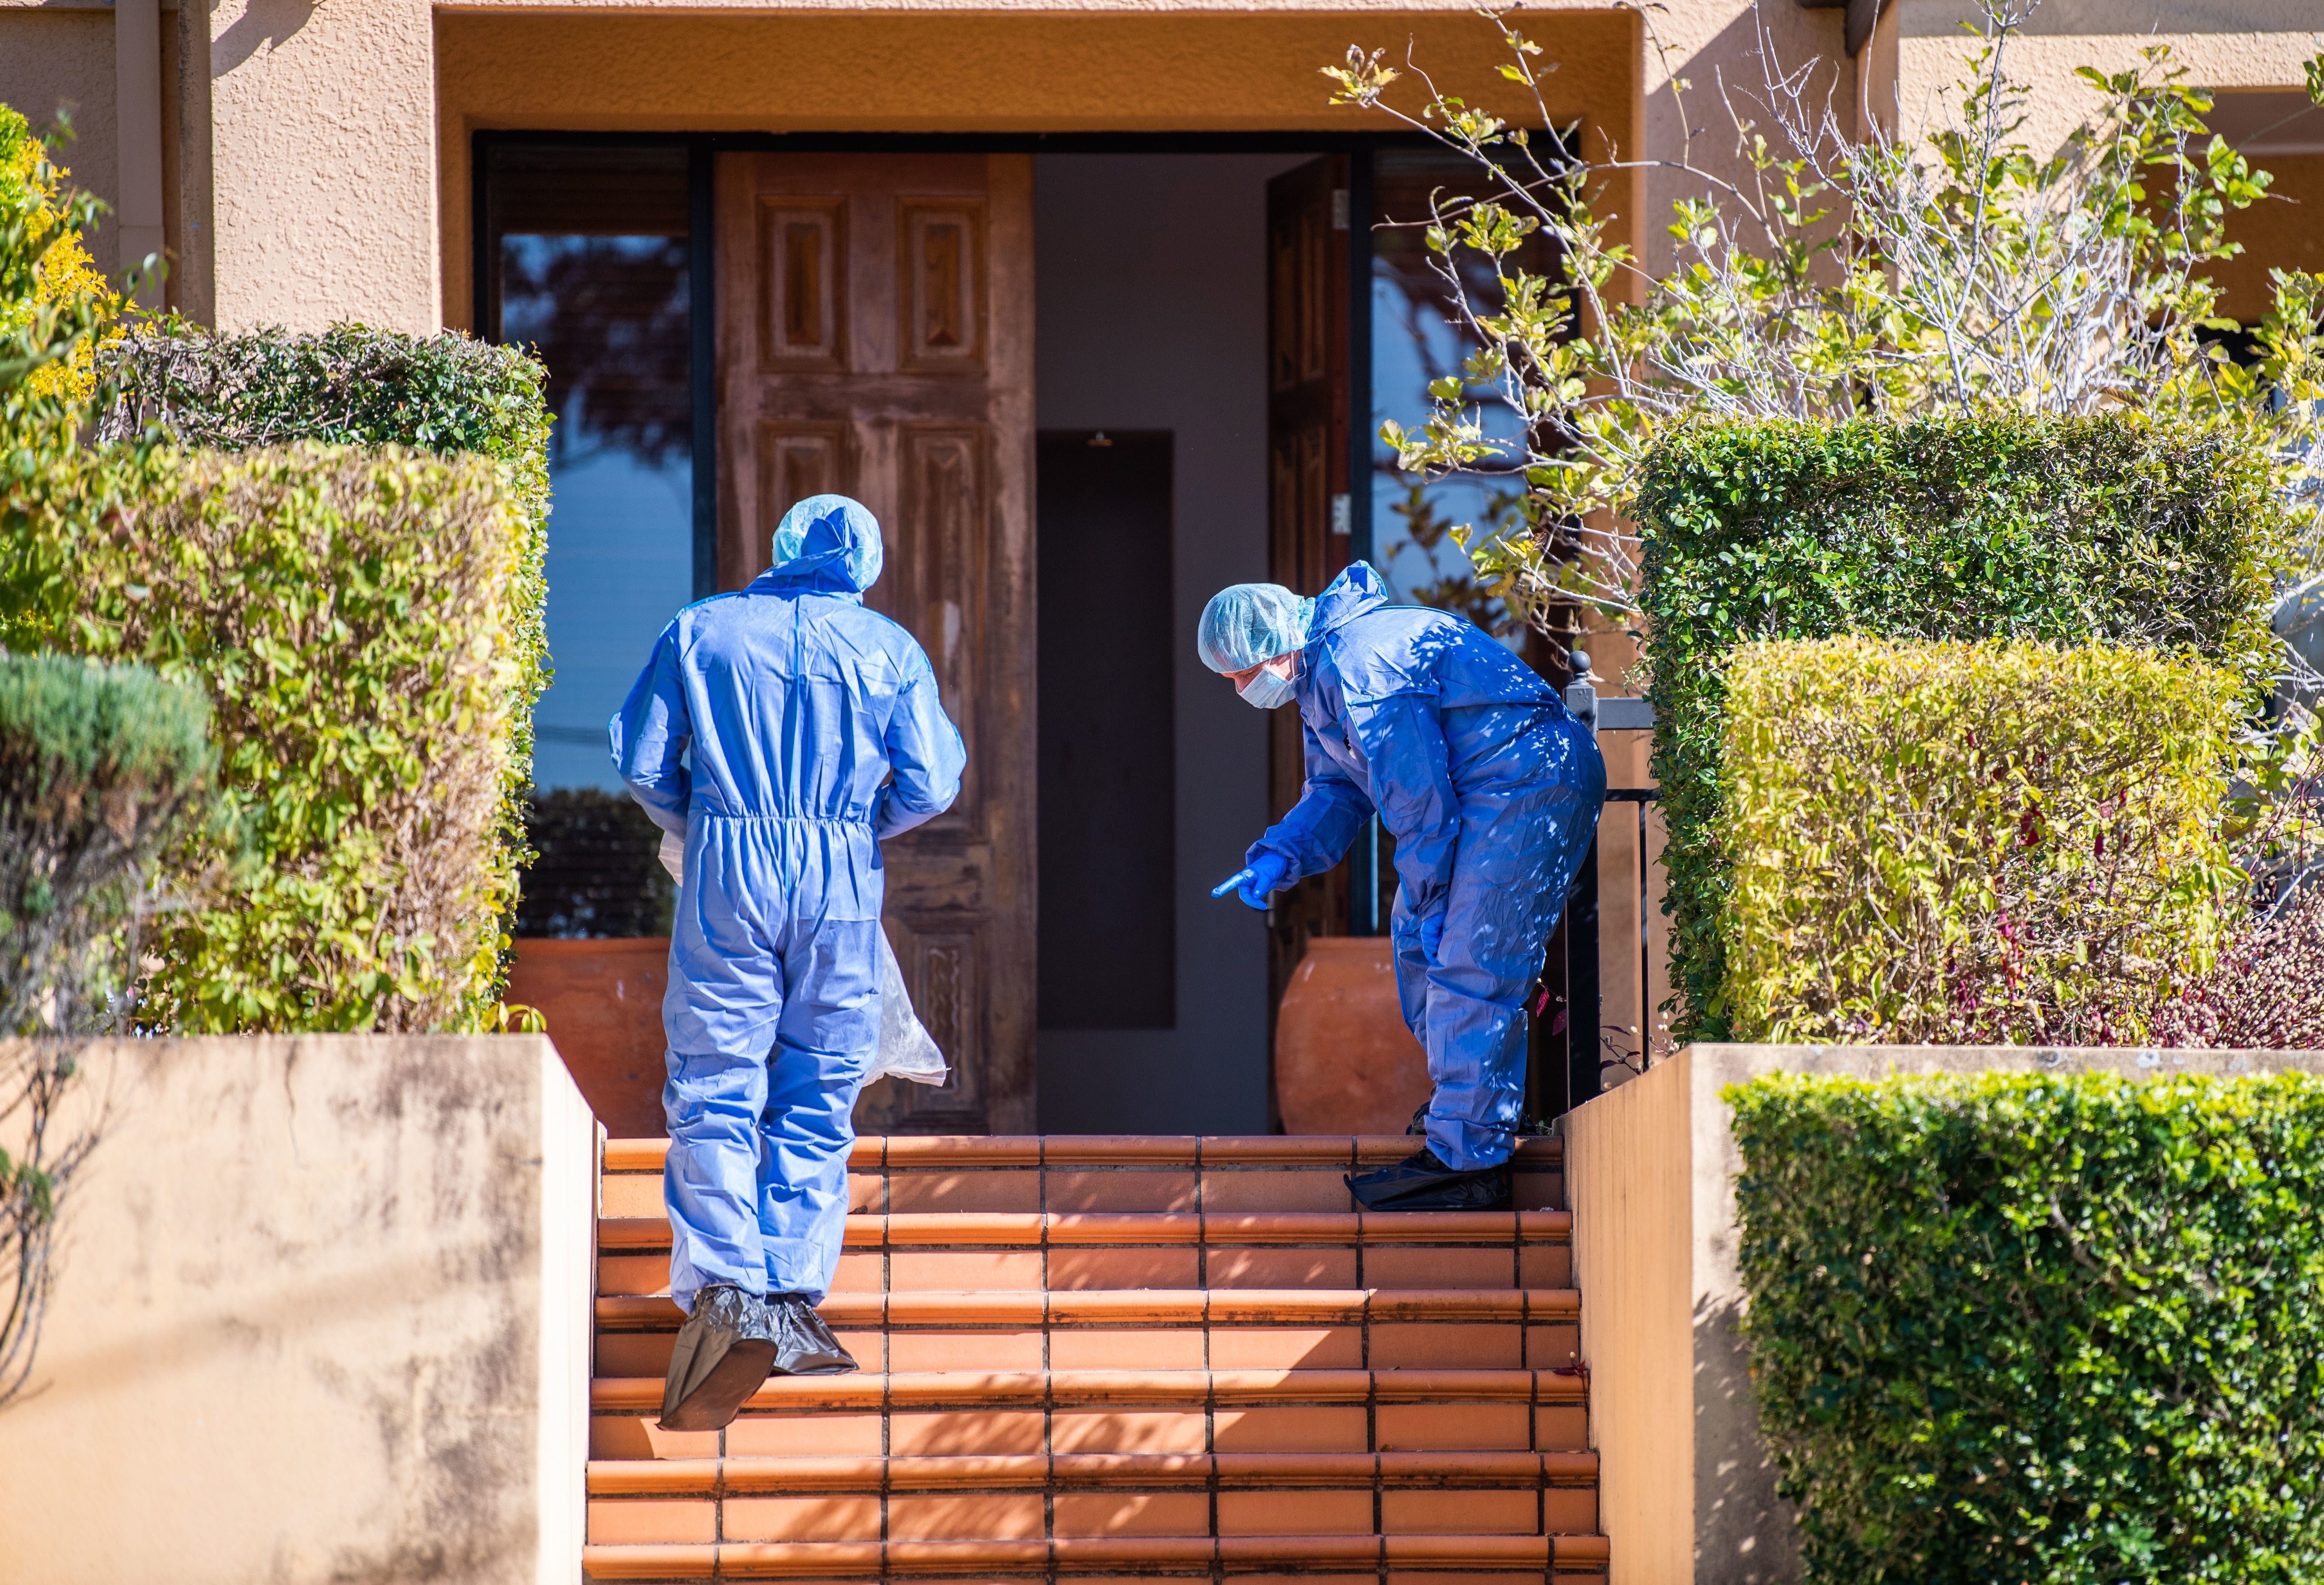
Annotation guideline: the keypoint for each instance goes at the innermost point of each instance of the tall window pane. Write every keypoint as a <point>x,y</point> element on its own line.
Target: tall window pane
<point>589,250</point>
<point>1417,338</point>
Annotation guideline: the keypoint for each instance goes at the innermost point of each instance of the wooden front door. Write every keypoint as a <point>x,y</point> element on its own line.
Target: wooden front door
<point>1307,510</point>
<point>875,337</point>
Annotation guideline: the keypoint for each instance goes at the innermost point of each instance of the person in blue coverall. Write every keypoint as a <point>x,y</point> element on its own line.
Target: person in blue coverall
<point>780,733</point>
<point>1491,791</point>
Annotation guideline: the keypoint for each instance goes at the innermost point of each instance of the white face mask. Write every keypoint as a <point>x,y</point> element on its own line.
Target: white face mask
<point>1266,690</point>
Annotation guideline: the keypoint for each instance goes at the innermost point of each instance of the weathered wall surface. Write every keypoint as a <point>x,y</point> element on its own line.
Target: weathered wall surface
<point>324,150</point>
<point>1025,71</point>
<point>1687,1494</point>
<point>2222,44</point>
<point>52,60</point>
<point>321,1314</point>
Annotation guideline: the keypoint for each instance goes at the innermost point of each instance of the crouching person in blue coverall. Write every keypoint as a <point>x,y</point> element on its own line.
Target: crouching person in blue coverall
<point>813,730</point>
<point>1492,793</point>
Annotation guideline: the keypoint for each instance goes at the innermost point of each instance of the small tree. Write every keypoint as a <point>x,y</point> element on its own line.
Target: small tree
<point>1838,278</point>
<point>99,768</point>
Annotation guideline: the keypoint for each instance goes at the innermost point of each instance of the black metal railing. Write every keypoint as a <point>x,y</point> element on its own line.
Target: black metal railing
<point>1574,1043</point>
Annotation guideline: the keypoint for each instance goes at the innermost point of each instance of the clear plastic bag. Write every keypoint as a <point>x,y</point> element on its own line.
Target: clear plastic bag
<point>907,1049</point>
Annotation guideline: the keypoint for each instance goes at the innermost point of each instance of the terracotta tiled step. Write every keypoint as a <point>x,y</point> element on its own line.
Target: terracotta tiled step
<point>1396,1559</point>
<point>1062,1389</point>
<point>1033,1229</point>
<point>1153,1307</point>
<point>716,1477</point>
<point>1159,1328</point>
<point>1097,1172</point>
<point>1272,1250</point>
<point>968,1499</point>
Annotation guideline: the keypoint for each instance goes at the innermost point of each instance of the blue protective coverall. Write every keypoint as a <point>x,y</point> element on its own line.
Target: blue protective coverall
<point>793,704</point>
<point>1491,791</point>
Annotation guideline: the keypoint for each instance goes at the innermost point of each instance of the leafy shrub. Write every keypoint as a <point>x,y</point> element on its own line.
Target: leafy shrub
<point>357,619</point>
<point>596,868</point>
<point>2116,529</point>
<point>354,386</point>
<point>2040,1328</point>
<point>54,305</point>
<point>99,768</point>
<point>1987,843</point>
<point>2265,992</point>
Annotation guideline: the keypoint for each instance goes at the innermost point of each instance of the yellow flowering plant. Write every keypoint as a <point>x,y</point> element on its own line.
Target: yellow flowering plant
<point>55,306</point>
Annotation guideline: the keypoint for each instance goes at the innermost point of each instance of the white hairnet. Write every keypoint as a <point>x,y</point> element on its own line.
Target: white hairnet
<point>1250,623</point>
<point>829,531</point>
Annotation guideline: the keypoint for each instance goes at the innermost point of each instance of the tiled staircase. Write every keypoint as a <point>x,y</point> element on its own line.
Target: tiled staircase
<point>1103,1357</point>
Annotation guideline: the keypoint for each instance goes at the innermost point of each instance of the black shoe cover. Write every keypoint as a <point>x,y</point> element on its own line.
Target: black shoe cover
<point>723,1354</point>
<point>804,1346</point>
<point>1421,1182</point>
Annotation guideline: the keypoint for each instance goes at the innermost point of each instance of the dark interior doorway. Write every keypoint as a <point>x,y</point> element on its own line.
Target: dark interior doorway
<point>1108,757</point>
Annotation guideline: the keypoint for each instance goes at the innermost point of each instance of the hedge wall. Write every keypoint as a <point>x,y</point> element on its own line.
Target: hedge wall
<point>354,386</point>
<point>358,619</point>
<point>1984,844</point>
<point>2040,1328</point>
<point>2069,530</point>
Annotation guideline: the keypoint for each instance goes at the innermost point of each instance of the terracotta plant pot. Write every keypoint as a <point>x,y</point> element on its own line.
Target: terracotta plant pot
<point>1344,1061</point>
<point>603,1001</point>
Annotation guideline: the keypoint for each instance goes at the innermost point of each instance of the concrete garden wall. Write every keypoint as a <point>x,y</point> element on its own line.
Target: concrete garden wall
<point>321,1314</point>
<point>1686,1493</point>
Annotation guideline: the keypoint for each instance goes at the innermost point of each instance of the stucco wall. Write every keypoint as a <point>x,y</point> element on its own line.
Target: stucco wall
<point>1024,71</point>
<point>2222,44</point>
<point>324,149</point>
<point>1686,1493</point>
<point>322,1313</point>
<point>63,59</point>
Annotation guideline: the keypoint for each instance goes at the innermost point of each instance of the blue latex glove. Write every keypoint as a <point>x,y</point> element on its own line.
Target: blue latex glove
<point>1268,872</point>
<point>1431,936</point>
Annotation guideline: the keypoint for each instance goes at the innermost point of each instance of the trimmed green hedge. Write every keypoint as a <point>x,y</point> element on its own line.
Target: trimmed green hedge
<point>354,386</point>
<point>1984,844</point>
<point>357,619</point>
<point>2043,1329</point>
<point>2119,529</point>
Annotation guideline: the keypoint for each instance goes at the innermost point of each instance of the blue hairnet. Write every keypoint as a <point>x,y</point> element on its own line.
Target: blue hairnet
<point>831,534</point>
<point>1250,623</point>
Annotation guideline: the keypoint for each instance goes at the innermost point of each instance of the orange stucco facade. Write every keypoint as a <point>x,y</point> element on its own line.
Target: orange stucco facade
<point>966,73</point>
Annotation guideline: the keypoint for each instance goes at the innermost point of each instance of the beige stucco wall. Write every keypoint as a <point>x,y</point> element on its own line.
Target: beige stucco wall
<point>2222,44</point>
<point>322,1313</point>
<point>1028,70</point>
<point>53,60</point>
<point>324,145</point>
<point>1686,1493</point>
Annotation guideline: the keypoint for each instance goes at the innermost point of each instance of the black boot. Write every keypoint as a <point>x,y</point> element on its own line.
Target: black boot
<point>805,1346</point>
<point>1421,1182</point>
<point>723,1354</point>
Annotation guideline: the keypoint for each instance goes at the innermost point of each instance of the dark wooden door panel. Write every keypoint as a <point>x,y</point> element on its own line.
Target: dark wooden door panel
<point>1307,437</point>
<point>875,339</point>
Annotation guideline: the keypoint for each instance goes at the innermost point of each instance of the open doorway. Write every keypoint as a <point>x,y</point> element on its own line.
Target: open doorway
<point>1151,330</point>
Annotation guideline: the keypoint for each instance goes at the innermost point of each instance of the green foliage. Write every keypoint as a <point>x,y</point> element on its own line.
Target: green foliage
<point>359,620</point>
<point>2065,1330</point>
<point>99,765</point>
<point>1837,276</point>
<point>354,386</point>
<point>1970,844</point>
<point>54,306</point>
<point>2114,529</point>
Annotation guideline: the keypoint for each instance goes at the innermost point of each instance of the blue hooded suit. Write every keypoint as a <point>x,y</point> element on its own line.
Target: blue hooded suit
<point>810,729</point>
<point>1492,791</point>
